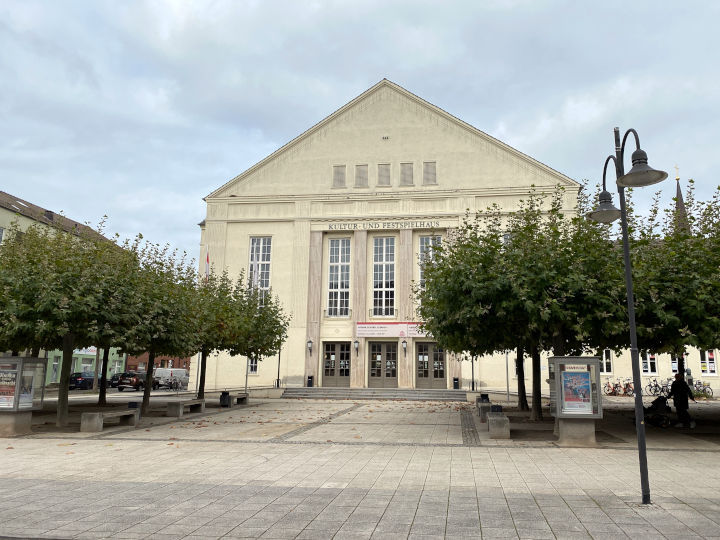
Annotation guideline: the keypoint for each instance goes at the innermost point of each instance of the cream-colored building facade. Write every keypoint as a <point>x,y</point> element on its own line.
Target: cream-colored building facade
<point>335,222</point>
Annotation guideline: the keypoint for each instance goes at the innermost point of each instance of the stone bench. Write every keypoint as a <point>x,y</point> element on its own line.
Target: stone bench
<point>177,408</point>
<point>498,425</point>
<point>483,408</point>
<point>238,399</point>
<point>94,421</point>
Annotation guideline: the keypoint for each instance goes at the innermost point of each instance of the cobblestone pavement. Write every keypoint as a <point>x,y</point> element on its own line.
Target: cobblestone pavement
<point>340,469</point>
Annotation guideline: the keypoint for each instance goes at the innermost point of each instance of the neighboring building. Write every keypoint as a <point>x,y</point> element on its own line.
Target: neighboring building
<point>83,361</point>
<point>140,363</point>
<point>14,209</point>
<point>335,222</point>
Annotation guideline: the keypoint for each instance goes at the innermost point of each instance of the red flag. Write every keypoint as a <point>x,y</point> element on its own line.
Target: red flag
<point>207,264</point>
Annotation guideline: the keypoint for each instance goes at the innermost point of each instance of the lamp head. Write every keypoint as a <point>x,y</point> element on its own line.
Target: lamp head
<point>641,174</point>
<point>606,211</point>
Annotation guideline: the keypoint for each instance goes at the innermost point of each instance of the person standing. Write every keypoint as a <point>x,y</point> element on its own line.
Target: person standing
<point>680,392</point>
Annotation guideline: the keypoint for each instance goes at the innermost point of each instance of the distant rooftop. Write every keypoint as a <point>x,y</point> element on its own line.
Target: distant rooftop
<point>37,213</point>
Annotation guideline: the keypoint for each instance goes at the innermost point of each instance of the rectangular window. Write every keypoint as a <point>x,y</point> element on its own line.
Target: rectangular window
<point>429,173</point>
<point>2,231</point>
<point>339,278</point>
<point>406,174</point>
<point>384,276</point>
<point>673,364</point>
<point>253,363</point>
<point>649,364</point>
<point>427,246</point>
<point>57,361</point>
<point>259,273</point>
<point>339,176</point>
<point>384,174</point>
<point>606,362</point>
<point>361,176</point>
<point>707,363</point>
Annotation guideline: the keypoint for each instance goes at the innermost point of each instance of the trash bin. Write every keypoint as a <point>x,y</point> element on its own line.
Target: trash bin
<point>495,408</point>
<point>456,383</point>
<point>484,398</point>
<point>224,399</point>
<point>310,381</point>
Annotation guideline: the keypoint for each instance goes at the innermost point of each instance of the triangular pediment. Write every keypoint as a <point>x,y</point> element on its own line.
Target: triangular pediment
<point>386,123</point>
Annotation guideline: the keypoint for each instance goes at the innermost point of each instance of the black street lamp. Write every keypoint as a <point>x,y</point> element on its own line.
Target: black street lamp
<point>639,175</point>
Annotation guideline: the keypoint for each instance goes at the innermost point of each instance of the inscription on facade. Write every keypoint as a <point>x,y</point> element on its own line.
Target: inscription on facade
<point>380,225</point>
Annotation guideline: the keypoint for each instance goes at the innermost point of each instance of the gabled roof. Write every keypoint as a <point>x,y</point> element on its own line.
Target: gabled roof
<point>22,207</point>
<point>385,83</point>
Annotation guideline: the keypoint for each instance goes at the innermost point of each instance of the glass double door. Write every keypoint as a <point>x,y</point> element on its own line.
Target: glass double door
<point>336,364</point>
<point>383,365</point>
<point>430,366</point>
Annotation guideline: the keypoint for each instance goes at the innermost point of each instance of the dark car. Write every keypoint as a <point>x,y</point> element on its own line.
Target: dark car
<point>131,379</point>
<point>81,381</point>
<point>114,380</point>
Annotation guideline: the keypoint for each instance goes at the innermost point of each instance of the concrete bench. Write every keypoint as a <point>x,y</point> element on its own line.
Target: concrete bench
<point>483,409</point>
<point>177,408</point>
<point>238,399</point>
<point>498,425</point>
<point>94,421</point>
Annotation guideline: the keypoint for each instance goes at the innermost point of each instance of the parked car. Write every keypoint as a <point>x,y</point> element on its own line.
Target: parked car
<point>164,377</point>
<point>131,379</point>
<point>81,381</point>
<point>114,380</point>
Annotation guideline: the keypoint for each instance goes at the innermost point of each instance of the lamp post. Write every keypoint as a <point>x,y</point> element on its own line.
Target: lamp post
<point>639,175</point>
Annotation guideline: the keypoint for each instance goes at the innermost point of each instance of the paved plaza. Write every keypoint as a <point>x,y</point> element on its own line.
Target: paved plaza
<point>318,469</point>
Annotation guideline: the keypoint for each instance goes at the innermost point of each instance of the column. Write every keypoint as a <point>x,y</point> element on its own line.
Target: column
<point>358,279</point>
<point>314,305</point>
<point>404,266</point>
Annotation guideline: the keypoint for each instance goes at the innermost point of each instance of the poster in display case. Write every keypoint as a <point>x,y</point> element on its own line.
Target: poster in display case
<point>22,383</point>
<point>574,386</point>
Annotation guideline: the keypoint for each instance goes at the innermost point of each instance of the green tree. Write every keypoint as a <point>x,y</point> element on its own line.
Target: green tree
<point>50,294</point>
<point>214,318</point>
<point>163,309</point>
<point>259,323</point>
<point>535,281</point>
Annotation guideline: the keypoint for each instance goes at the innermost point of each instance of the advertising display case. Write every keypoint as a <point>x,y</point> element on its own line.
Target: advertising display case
<point>575,386</point>
<point>22,385</point>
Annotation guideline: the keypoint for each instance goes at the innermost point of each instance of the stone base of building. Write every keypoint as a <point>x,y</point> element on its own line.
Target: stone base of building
<point>14,424</point>
<point>576,432</point>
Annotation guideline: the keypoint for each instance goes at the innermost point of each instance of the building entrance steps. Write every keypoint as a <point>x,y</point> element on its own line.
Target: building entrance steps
<point>376,393</point>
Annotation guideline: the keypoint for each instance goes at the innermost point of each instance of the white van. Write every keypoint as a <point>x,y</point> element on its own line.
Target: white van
<point>162,376</point>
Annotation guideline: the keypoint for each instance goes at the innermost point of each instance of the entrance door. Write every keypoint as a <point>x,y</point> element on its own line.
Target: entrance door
<point>430,369</point>
<point>383,365</point>
<point>336,364</point>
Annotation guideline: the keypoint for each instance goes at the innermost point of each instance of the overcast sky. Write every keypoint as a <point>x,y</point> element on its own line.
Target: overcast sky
<point>138,109</point>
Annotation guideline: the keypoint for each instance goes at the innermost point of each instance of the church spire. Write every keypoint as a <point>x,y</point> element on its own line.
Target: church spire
<point>681,219</point>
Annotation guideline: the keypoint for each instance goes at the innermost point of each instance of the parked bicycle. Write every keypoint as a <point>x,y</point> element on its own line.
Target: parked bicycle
<point>613,389</point>
<point>653,388</point>
<point>628,388</point>
<point>703,387</point>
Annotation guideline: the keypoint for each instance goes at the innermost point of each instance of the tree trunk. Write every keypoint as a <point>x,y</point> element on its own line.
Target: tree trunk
<point>102,397</point>
<point>536,413</point>
<point>203,365</point>
<point>148,383</point>
<point>680,364</point>
<point>62,402</point>
<point>520,368</point>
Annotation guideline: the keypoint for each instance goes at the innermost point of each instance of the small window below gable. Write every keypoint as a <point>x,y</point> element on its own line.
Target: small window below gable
<point>406,174</point>
<point>383,174</point>
<point>429,173</point>
<point>361,176</point>
<point>338,176</point>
